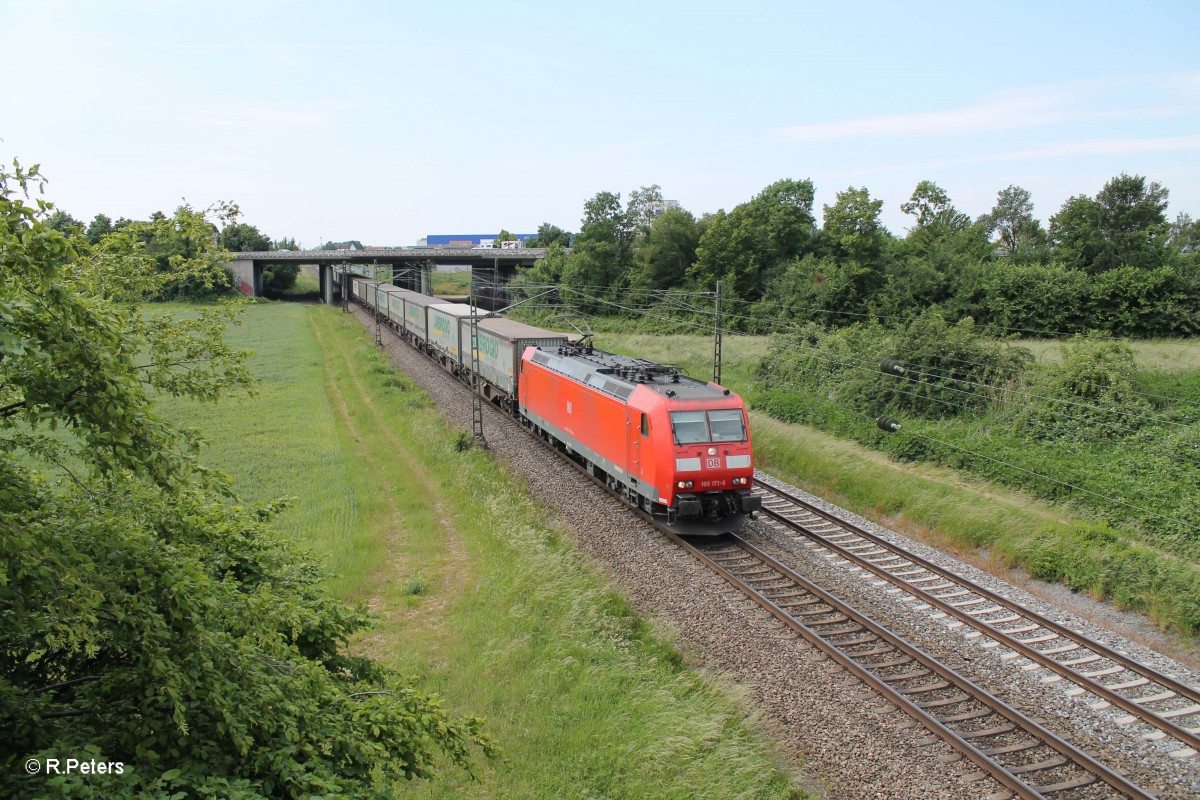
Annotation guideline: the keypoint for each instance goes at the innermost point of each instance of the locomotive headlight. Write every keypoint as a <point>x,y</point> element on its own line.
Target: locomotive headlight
<point>712,451</point>
<point>684,484</point>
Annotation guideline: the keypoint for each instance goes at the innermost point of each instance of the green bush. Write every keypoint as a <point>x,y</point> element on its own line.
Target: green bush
<point>1091,393</point>
<point>278,278</point>
<point>1130,301</point>
<point>1095,559</point>
<point>928,368</point>
<point>1035,297</point>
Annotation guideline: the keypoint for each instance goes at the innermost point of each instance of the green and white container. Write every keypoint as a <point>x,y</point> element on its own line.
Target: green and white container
<point>501,343</point>
<point>445,335</point>
<point>414,313</point>
<point>393,304</point>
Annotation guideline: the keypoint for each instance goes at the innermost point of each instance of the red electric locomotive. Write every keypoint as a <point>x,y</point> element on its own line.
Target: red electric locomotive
<point>672,445</point>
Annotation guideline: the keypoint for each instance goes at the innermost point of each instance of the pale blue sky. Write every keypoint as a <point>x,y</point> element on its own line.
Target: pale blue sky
<point>385,122</point>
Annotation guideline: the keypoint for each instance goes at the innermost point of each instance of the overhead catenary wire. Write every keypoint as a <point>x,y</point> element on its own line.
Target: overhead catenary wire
<point>703,326</point>
<point>873,369</point>
<point>871,315</point>
<point>908,431</point>
<point>1195,463</point>
<point>793,327</point>
<point>1006,392</point>
<point>1184,523</point>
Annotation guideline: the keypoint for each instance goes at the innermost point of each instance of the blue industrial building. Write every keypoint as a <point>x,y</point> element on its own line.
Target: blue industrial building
<point>470,239</point>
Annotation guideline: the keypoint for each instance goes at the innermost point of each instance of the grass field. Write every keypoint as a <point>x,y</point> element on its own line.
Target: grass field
<point>742,354</point>
<point>450,283</point>
<point>1166,355</point>
<point>474,588</point>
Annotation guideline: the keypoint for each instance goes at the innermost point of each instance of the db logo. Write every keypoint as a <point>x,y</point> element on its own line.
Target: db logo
<point>712,463</point>
<point>568,406</point>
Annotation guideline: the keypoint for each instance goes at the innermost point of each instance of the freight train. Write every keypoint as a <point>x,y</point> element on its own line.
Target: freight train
<point>673,446</point>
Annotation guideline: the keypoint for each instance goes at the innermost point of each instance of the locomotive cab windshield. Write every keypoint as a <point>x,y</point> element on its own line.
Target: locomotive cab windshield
<point>704,427</point>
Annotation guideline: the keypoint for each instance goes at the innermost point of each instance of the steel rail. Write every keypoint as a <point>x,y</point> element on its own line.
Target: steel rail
<point>976,756</point>
<point>1131,705</point>
<point>918,714</point>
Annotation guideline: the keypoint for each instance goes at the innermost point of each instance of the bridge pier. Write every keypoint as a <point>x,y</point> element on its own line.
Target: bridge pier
<point>247,276</point>
<point>327,286</point>
<point>414,276</point>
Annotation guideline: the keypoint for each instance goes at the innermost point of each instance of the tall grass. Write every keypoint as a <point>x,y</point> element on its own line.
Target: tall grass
<point>450,283</point>
<point>473,586</point>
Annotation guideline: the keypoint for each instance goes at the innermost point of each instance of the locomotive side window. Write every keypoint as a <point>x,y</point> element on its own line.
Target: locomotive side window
<point>645,426</point>
<point>727,425</point>
<point>690,427</point>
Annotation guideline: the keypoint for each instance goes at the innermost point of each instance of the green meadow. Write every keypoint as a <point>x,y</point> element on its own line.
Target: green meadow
<point>474,587</point>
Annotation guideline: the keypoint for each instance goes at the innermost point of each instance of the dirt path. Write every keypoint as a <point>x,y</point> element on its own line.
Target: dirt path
<point>402,472</point>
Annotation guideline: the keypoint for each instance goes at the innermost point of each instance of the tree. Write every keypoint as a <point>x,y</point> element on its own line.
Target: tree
<point>1133,222</point>
<point>1125,225</point>
<point>1021,238</point>
<point>601,256</point>
<point>505,236</point>
<point>1185,234</point>
<point>937,260</point>
<point>286,243</point>
<point>101,226</point>
<point>64,223</point>
<point>667,250</point>
<point>749,245</point>
<point>149,618</point>
<point>644,205</point>
<point>730,251</point>
<point>278,278</point>
<point>931,206</point>
<point>352,244</point>
<point>1075,233</point>
<point>853,228</point>
<point>185,251</point>
<point>783,214</point>
<point>549,235</point>
<point>242,238</point>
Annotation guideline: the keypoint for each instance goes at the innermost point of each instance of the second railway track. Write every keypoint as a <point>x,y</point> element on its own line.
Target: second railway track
<point>1112,678</point>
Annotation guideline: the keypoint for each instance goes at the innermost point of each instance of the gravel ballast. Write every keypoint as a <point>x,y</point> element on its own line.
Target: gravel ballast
<point>853,743</point>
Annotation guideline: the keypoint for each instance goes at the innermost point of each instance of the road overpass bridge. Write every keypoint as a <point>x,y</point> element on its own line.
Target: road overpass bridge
<point>410,266</point>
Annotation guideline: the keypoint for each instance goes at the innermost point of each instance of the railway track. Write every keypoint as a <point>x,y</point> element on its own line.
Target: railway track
<point>1110,677</point>
<point>1018,753</point>
<point>1023,756</point>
